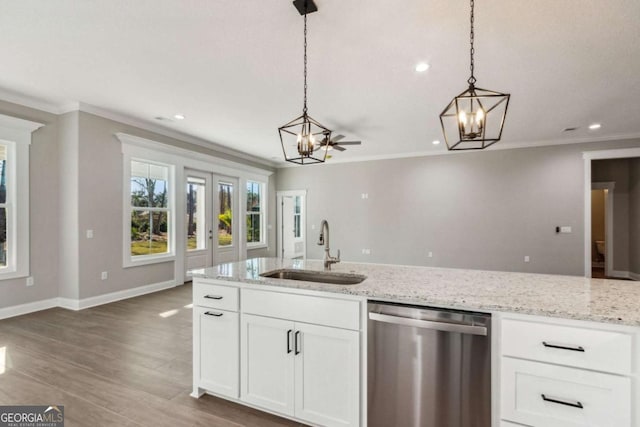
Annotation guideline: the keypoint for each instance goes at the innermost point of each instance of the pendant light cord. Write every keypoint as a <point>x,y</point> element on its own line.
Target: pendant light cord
<point>304,108</point>
<point>472,79</point>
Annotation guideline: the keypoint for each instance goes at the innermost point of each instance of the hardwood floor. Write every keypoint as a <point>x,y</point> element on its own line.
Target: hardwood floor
<point>122,364</point>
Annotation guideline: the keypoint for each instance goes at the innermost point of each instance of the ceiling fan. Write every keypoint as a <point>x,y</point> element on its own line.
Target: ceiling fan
<point>335,143</point>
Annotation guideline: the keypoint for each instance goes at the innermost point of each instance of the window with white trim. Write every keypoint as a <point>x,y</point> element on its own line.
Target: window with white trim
<point>15,138</point>
<point>151,210</point>
<point>255,213</point>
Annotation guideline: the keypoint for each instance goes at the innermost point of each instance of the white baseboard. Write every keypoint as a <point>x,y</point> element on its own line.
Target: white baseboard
<point>619,274</point>
<point>19,310</point>
<point>75,304</point>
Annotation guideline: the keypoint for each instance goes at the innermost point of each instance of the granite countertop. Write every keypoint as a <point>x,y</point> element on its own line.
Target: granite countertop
<point>570,297</point>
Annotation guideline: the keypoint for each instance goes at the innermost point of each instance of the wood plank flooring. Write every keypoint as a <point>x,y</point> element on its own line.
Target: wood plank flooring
<point>122,364</point>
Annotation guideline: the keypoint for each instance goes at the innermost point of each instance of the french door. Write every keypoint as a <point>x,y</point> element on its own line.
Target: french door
<point>212,219</point>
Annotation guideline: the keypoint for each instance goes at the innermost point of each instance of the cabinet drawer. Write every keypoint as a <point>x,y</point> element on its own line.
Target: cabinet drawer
<point>215,296</point>
<point>540,394</point>
<point>573,346</point>
<point>302,308</point>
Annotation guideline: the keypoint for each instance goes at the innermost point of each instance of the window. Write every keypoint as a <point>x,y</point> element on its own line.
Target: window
<point>255,213</point>
<point>15,137</point>
<point>225,217</point>
<point>297,212</point>
<point>151,213</point>
<point>196,220</point>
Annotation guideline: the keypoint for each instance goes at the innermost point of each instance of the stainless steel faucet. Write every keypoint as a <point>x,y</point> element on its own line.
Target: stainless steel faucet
<point>324,240</point>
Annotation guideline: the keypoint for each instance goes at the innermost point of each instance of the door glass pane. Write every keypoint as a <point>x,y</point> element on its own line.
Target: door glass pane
<point>297,211</point>
<point>149,232</point>
<point>254,212</point>
<point>3,209</point>
<point>225,217</point>
<point>195,217</point>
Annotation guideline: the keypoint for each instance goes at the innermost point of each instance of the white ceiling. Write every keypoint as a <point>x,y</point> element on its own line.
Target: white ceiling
<point>234,68</point>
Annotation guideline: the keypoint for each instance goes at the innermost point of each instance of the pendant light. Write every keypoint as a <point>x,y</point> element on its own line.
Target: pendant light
<point>474,119</point>
<point>303,138</point>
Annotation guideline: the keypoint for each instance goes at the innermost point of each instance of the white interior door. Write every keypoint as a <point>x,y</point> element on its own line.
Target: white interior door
<point>198,224</point>
<point>291,224</point>
<point>226,219</point>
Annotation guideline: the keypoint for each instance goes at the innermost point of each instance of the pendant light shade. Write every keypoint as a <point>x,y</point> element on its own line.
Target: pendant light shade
<point>474,119</point>
<point>303,139</point>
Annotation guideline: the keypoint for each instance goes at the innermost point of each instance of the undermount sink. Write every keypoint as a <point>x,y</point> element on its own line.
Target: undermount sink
<point>316,276</point>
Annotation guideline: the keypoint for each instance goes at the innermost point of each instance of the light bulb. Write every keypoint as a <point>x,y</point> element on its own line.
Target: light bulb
<point>479,116</point>
<point>462,117</point>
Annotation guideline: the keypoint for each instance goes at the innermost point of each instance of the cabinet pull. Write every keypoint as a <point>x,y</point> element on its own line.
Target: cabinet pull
<point>213,313</point>
<point>297,342</point>
<point>213,296</point>
<point>289,340</point>
<point>563,347</point>
<point>577,404</point>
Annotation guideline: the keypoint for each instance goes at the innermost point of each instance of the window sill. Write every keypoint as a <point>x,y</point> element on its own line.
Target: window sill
<point>10,275</point>
<point>148,260</point>
<point>252,246</point>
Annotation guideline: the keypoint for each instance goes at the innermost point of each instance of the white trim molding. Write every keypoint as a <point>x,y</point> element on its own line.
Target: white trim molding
<point>588,156</point>
<point>81,304</point>
<point>31,307</point>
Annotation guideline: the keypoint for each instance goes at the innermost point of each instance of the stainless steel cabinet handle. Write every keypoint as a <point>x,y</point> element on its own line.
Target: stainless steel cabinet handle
<point>289,340</point>
<point>577,404</point>
<point>213,313</point>
<point>297,342</point>
<point>213,296</point>
<point>563,347</point>
<point>429,324</point>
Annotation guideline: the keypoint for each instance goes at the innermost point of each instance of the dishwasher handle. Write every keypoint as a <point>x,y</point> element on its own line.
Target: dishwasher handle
<point>429,324</point>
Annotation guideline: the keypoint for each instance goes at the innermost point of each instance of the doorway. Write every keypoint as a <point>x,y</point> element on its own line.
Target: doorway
<point>616,173</point>
<point>212,233</point>
<point>602,233</point>
<point>291,214</point>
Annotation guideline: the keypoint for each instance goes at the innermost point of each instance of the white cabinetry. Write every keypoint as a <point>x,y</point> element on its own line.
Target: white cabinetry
<point>216,340</point>
<point>292,354</point>
<point>303,370</point>
<point>561,373</point>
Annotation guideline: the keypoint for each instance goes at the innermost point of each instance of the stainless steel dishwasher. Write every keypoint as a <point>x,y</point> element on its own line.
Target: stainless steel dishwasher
<point>428,367</point>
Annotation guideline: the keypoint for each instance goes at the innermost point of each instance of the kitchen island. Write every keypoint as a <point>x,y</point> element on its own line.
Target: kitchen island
<point>568,297</point>
<point>565,350</point>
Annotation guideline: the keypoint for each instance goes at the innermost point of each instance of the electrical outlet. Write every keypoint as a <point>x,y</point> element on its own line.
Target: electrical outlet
<point>366,251</point>
<point>89,234</point>
<point>430,254</point>
<point>30,281</point>
<point>365,195</point>
<point>104,275</point>
<point>526,258</point>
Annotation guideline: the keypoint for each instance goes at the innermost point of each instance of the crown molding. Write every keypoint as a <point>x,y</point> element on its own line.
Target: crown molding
<point>495,147</point>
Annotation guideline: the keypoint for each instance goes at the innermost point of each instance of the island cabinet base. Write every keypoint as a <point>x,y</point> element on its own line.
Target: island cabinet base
<point>565,373</point>
<point>292,354</point>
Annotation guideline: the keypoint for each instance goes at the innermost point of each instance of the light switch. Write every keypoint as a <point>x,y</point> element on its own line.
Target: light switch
<point>565,229</point>
<point>526,258</point>
<point>89,234</point>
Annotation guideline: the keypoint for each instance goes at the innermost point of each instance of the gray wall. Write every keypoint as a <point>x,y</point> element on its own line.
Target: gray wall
<point>479,210</point>
<point>75,185</point>
<point>44,211</point>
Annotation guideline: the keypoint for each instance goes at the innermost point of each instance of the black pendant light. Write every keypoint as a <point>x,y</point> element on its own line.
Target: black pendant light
<point>303,138</point>
<point>474,119</point>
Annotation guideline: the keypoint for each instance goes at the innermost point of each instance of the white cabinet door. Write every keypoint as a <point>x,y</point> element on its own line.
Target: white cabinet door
<point>219,351</point>
<point>267,360</point>
<point>327,375</point>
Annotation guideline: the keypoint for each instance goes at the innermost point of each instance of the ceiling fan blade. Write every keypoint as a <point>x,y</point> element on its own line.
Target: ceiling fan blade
<point>339,148</point>
<point>349,143</point>
<point>337,138</point>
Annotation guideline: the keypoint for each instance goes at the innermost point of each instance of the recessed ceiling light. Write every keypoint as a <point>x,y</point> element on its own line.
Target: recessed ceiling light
<point>422,67</point>
<point>436,142</point>
<point>179,116</point>
<point>595,126</point>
